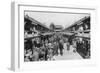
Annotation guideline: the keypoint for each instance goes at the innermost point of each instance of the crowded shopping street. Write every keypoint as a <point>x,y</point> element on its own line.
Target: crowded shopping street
<point>42,43</point>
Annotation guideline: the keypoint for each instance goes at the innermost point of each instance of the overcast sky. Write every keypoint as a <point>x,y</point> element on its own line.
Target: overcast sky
<point>64,19</point>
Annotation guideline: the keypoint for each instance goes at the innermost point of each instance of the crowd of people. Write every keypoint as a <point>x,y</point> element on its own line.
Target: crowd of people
<point>83,48</point>
<point>38,49</point>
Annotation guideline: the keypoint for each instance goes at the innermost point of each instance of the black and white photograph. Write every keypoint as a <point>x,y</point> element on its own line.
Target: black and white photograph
<point>53,36</point>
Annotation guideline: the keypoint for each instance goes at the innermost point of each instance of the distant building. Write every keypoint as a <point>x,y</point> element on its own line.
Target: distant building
<point>56,27</point>
<point>52,26</point>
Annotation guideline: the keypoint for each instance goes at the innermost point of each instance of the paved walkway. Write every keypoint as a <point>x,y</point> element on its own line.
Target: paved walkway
<point>68,55</point>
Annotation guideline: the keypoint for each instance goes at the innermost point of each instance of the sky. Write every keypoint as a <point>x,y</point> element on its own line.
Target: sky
<point>64,19</point>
